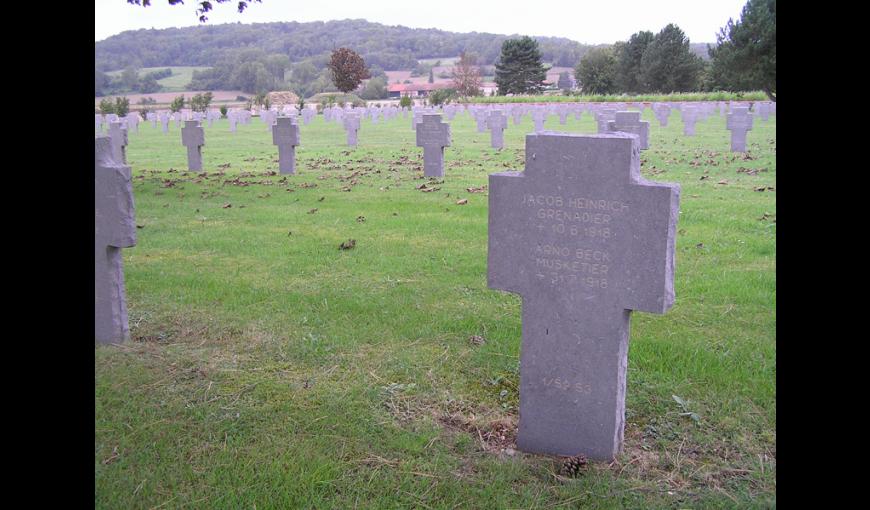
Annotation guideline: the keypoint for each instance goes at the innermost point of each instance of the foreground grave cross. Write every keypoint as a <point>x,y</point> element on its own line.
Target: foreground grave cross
<point>285,134</point>
<point>193,137</point>
<point>584,240</point>
<point>115,228</point>
<point>433,136</point>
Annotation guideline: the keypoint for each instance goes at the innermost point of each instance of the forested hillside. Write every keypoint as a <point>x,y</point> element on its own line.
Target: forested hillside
<point>387,47</point>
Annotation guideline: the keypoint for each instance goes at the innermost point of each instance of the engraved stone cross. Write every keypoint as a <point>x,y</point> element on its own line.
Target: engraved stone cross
<point>585,241</point>
<point>118,135</point>
<point>629,122</point>
<point>285,134</point>
<point>433,136</point>
<point>114,228</point>
<point>193,137</point>
<point>496,122</point>
<point>739,122</point>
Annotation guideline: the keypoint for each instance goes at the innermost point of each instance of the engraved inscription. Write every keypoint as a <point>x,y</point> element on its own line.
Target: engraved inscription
<point>575,216</point>
<point>567,385</point>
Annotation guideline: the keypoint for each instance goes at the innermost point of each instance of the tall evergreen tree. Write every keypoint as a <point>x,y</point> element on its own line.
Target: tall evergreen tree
<point>668,64</point>
<point>628,63</point>
<point>519,69</point>
<point>745,57</point>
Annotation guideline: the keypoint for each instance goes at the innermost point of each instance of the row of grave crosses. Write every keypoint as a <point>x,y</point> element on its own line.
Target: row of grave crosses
<point>434,135</point>
<point>579,234</point>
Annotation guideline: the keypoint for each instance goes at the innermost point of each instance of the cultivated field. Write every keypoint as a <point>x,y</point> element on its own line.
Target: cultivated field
<point>181,76</point>
<point>269,369</point>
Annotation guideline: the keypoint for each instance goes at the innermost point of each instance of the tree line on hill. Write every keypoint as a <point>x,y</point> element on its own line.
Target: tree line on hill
<point>387,47</point>
<point>744,58</point>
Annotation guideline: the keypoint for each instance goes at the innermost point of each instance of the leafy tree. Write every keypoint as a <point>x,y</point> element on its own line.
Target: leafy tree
<point>466,76</point>
<point>101,82</point>
<point>223,110</point>
<point>148,85</point>
<point>347,69</point>
<point>431,76</point>
<point>200,102</point>
<point>177,104</point>
<point>204,6</point>
<point>519,69</point>
<point>745,57</point>
<point>376,88</point>
<point>107,106</point>
<point>130,78</point>
<point>668,64</point>
<point>405,102</point>
<point>276,64</point>
<point>253,77</point>
<point>597,71</point>
<point>122,106</point>
<point>442,96</point>
<point>628,63</point>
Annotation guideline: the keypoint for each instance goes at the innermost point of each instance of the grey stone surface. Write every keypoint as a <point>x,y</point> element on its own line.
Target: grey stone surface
<point>539,117</point>
<point>629,122</point>
<point>433,136</point>
<point>114,228</point>
<point>285,134</point>
<point>351,125</point>
<point>690,117</point>
<point>662,112</point>
<point>497,123</point>
<point>193,137</point>
<point>603,116</point>
<point>585,240</point>
<point>480,118</point>
<point>98,123</point>
<point>739,122</point>
<point>118,135</point>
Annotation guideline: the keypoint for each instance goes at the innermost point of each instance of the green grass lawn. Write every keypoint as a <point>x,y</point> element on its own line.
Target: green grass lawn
<point>269,369</point>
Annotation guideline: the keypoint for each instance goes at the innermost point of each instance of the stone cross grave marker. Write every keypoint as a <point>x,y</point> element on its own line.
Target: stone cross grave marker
<point>662,112</point>
<point>563,111</point>
<point>132,119</point>
<point>603,117</point>
<point>480,118</point>
<point>762,109</point>
<point>497,123</point>
<point>351,125</point>
<point>433,136</point>
<point>98,122</point>
<point>690,117</point>
<point>193,137</point>
<point>739,122</point>
<point>285,134</point>
<point>118,135</point>
<point>164,120</point>
<point>539,117</point>
<point>629,122</point>
<point>114,228</point>
<point>585,240</point>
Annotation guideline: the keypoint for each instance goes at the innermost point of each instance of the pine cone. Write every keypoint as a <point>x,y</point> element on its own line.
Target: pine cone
<point>573,465</point>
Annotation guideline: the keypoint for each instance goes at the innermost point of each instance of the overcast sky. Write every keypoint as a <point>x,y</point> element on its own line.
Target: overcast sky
<point>589,22</point>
